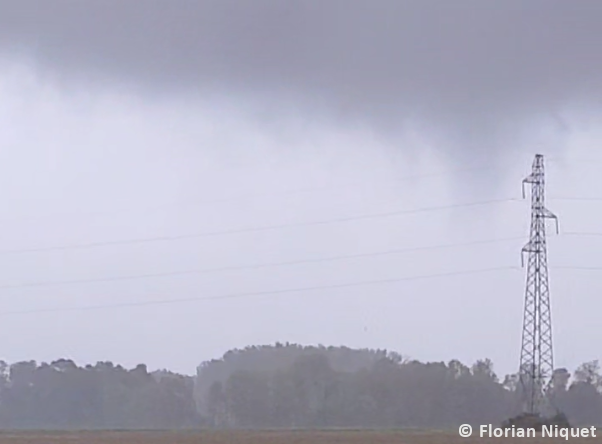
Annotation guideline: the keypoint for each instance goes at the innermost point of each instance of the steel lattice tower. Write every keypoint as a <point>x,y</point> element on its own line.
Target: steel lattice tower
<point>536,359</point>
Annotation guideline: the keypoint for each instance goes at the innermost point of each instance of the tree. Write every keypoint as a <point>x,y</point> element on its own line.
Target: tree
<point>589,373</point>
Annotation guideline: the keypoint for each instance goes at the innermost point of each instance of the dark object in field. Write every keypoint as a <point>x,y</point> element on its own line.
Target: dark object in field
<point>535,421</point>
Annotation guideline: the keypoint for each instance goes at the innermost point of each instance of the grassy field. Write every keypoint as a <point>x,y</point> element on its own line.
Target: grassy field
<point>264,437</point>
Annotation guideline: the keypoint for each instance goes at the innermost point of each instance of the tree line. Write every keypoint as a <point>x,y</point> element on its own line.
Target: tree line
<point>288,385</point>
<point>281,386</point>
<point>61,395</point>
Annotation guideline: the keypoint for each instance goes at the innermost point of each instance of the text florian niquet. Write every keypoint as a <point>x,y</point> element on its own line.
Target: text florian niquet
<point>552,431</point>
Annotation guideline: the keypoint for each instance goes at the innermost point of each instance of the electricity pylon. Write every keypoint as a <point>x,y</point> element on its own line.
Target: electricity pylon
<point>536,358</point>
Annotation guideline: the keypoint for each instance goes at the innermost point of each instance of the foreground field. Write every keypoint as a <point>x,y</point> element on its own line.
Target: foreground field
<point>263,437</point>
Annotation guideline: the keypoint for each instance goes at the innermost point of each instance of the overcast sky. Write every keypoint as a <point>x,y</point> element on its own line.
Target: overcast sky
<point>188,143</point>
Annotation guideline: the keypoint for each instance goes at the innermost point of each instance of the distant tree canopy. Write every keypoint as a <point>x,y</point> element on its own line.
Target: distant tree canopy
<point>281,386</point>
<point>288,385</point>
<point>61,395</point>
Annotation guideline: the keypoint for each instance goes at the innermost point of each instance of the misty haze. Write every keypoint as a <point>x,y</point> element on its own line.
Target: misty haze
<point>239,218</point>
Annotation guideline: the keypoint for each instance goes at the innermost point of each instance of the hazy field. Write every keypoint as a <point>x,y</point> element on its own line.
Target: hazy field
<point>261,437</point>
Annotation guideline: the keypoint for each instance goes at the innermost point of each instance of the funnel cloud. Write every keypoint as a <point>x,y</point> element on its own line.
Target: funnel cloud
<point>470,67</point>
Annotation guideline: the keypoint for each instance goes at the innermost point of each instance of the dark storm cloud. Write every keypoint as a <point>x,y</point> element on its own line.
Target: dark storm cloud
<point>479,62</point>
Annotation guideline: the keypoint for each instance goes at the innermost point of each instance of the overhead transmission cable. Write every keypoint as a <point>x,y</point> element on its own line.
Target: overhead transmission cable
<point>200,271</point>
<point>257,266</point>
<point>303,190</point>
<point>260,228</point>
<point>258,293</point>
<point>292,191</point>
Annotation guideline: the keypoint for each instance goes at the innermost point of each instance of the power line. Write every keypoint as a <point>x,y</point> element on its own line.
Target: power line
<point>292,191</point>
<point>577,199</point>
<point>283,193</point>
<point>242,197</point>
<point>584,233</point>
<point>582,160</point>
<point>258,229</point>
<point>264,265</point>
<point>258,293</point>
<point>275,292</point>
<point>565,267</point>
<point>257,266</point>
